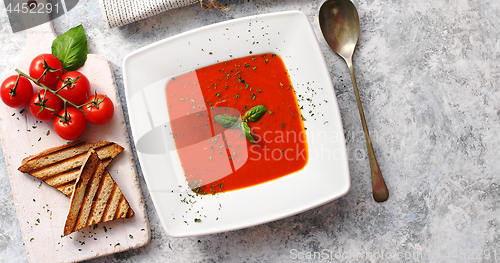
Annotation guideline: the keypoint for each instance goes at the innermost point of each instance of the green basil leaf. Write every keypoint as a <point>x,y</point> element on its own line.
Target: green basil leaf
<point>71,48</point>
<point>248,134</point>
<point>226,121</point>
<point>255,113</point>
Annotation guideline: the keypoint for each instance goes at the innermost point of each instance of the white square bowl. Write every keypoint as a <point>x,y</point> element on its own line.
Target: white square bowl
<point>146,73</point>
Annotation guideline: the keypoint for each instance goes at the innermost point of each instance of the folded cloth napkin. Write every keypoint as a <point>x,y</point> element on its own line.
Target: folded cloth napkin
<point>121,12</point>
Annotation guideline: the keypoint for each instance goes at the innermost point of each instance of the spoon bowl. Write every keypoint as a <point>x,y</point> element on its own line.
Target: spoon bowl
<point>339,24</point>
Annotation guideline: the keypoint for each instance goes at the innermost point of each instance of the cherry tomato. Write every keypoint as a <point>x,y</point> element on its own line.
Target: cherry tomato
<point>74,87</point>
<point>47,68</point>
<point>16,96</point>
<point>70,124</point>
<point>100,110</point>
<point>44,106</point>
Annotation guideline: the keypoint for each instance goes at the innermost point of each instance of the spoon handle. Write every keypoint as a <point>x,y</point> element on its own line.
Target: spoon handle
<point>380,191</point>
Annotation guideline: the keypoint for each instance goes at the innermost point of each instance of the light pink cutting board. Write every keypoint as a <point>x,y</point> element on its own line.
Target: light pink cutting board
<point>42,209</point>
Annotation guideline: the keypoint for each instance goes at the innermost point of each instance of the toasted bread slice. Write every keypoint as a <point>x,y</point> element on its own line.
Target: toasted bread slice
<point>96,198</point>
<point>59,166</point>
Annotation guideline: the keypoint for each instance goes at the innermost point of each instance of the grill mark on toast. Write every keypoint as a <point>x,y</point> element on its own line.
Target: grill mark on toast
<point>44,159</point>
<point>119,208</point>
<point>83,208</point>
<point>94,211</point>
<point>63,178</point>
<point>55,169</point>
<point>109,208</point>
<point>103,195</point>
<point>75,159</point>
<point>114,204</point>
<point>90,192</point>
<point>124,209</point>
<point>57,180</point>
<point>26,162</point>
<point>79,193</point>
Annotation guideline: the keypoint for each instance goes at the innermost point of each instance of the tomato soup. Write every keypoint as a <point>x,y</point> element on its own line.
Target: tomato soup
<point>236,124</point>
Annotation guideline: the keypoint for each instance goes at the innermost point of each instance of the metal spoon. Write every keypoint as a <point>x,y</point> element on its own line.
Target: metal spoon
<point>339,23</point>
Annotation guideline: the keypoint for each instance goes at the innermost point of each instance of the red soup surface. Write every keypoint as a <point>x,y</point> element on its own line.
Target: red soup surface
<point>236,124</point>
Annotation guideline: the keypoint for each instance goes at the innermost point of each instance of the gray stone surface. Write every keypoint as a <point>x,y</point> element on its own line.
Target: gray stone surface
<point>429,78</point>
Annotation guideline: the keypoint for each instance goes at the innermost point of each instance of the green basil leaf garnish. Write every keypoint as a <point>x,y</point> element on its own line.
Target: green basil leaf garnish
<point>248,134</point>
<point>252,115</point>
<point>255,113</point>
<point>71,48</point>
<point>226,121</point>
